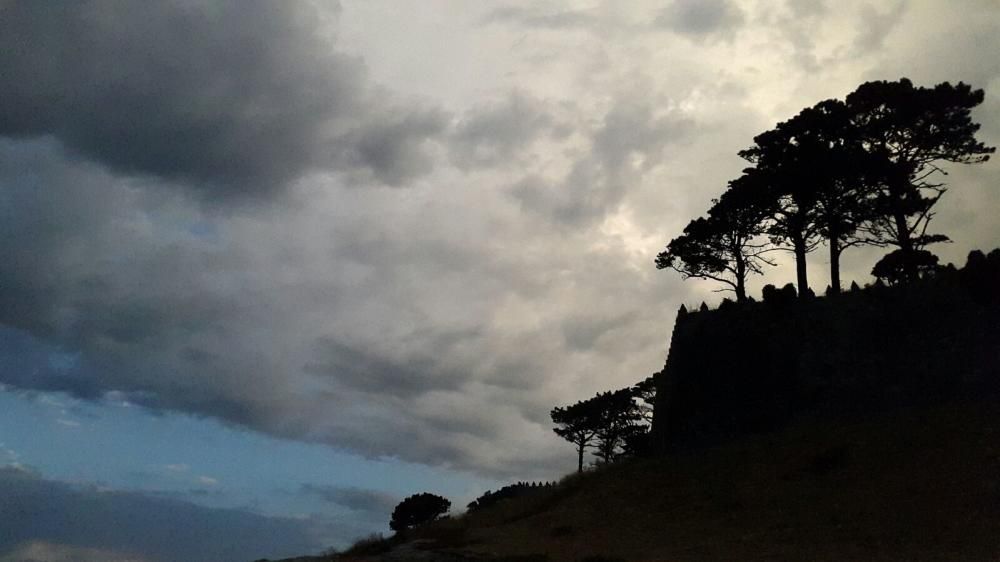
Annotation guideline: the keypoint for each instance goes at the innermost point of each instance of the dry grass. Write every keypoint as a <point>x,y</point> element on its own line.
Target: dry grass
<point>372,545</point>
<point>918,485</point>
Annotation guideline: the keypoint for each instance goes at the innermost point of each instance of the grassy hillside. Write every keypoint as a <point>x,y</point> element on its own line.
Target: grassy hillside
<point>913,485</point>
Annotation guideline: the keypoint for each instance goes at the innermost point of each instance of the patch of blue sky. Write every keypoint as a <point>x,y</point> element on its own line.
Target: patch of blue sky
<point>111,443</point>
<point>204,230</point>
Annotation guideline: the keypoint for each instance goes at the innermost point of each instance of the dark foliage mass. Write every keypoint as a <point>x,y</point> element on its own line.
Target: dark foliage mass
<point>897,266</point>
<point>744,369</point>
<point>613,424</point>
<point>840,173</point>
<point>518,490</point>
<point>417,510</point>
<point>981,277</point>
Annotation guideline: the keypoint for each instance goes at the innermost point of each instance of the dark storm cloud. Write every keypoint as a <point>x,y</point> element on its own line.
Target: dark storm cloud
<point>371,503</point>
<point>700,18</point>
<point>27,363</point>
<point>371,372</point>
<point>583,331</point>
<point>58,216</point>
<point>498,134</point>
<point>149,307</point>
<point>392,148</point>
<point>231,98</point>
<point>875,25</point>
<point>37,510</point>
<point>90,273</point>
<point>629,141</point>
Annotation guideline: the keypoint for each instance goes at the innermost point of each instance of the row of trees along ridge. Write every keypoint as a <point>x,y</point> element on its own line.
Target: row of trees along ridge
<point>862,171</point>
<point>847,173</point>
<point>613,424</point>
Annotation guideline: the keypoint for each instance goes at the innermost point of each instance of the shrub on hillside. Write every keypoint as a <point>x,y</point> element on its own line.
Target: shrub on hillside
<point>779,297</point>
<point>417,510</point>
<point>893,266</point>
<point>372,545</point>
<point>507,492</point>
<point>981,276</point>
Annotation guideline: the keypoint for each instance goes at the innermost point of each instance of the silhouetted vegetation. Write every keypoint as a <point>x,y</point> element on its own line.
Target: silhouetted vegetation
<point>417,510</point>
<point>724,247</point>
<point>613,424</point>
<point>739,370</point>
<point>897,266</point>
<point>577,424</point>
<point>981,277</point>
<point>520,489</point>
<point>372,545</point>
<point>645,392</point>
<point>617,416</point>
<point>843,173</point>
<point>813,177</point>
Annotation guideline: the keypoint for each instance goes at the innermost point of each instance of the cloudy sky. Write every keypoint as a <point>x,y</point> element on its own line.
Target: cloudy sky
<point>270,267</point>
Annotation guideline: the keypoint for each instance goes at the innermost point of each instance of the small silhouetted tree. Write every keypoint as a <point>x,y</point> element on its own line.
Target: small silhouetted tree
<point>896,267</point>
<point>637,442</point>
<point>769,294</point>
<point>511,491</point>
<point>981,276</point>
<point>618,416</point>
<point>725,246</point>
<point>417,510</point>
<point>776,297</point>
<point>788,292</point>
<point>645,392</point>
<point>578,424</point>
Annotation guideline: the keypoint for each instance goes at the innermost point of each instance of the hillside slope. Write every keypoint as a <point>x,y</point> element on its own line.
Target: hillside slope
<point>921,484</point>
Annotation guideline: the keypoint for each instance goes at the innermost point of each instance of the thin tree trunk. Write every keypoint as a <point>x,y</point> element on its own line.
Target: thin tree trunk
<point>903,240</point>
<point>799,245</point>
<point>834,263</point>
<point>905,245</point>
<point>579,462</point>
<point>741,275</point>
